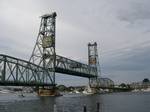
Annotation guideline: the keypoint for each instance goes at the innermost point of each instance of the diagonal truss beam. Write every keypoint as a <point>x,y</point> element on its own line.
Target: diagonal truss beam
<point>17,72</point>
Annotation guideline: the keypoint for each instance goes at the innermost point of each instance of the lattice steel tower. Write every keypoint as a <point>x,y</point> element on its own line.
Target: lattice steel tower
<point>93,61</point>
<point>44,50</point>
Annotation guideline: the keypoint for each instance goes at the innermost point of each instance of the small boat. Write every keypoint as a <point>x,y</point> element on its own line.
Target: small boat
<point>88,91</point>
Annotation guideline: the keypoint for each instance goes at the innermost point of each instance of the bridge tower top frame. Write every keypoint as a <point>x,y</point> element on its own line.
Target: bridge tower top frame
<point>93,59</point>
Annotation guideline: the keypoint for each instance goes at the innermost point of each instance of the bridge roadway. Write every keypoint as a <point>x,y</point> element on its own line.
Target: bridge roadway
<point>18,72</point>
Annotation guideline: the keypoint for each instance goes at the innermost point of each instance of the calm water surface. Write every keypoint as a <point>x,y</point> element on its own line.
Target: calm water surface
<point>114,102</point>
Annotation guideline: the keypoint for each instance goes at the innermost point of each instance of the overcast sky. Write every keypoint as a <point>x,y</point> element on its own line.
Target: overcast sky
<point>120,27</point>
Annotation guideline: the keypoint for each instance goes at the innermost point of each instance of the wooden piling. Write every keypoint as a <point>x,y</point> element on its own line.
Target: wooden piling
<point>84,108</point>
<point>97,107</point>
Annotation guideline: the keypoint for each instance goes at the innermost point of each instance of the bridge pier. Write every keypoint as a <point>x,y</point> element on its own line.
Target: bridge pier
<point>48,92</point>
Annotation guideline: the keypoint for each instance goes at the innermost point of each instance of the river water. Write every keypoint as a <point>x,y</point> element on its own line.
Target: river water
<point>114,102</point>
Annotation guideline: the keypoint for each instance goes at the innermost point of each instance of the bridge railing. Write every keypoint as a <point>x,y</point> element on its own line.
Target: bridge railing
<point>17,72</point>
<point>68,66</point>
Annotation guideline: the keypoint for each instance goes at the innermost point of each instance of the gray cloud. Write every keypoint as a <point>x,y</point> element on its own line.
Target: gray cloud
<point>135,11</point>
<point>129,65</point>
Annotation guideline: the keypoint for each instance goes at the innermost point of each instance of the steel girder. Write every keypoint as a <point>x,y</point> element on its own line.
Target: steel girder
<point>43,53</point>
<point>71,67</point>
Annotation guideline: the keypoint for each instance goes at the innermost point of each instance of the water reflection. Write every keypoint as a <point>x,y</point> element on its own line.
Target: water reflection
<point>75,103</point>
<point>66,103</point>
<point>26,104</point>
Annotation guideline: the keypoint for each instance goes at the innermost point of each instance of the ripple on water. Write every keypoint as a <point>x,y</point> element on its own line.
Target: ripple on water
<point>115,102</point>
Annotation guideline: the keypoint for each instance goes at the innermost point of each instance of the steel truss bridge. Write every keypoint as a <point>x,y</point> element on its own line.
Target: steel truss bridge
<point>44,62</point>
<point>18,72</point>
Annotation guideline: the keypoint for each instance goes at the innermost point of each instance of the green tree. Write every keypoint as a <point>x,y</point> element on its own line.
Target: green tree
<point>146,80</point>
<point>123,85</point>
<point>61,87</point>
